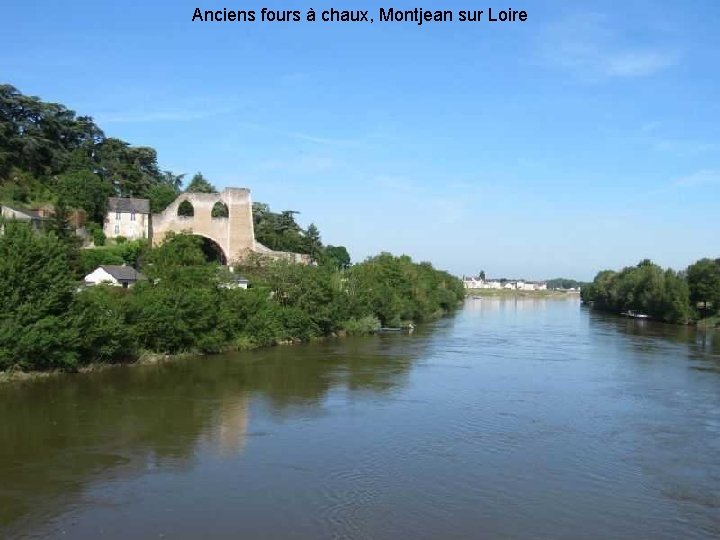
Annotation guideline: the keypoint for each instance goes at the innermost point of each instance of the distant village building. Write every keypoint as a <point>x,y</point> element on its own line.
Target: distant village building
<point>33,217</point>
<point>127,217</point>
<point>37,218</point>
<point>235,282</point>
<point>509,284</point>
<point>117,275</point>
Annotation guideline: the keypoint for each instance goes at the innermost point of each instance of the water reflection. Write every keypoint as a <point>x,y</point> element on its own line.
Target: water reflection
<point>59,434</point>
<point>649,336</point>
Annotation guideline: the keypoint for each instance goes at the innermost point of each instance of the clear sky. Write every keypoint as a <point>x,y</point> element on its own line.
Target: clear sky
<point>586,138</point>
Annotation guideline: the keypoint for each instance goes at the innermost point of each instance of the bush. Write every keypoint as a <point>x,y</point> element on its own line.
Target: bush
<point>36,287</point>
<point>363,326</point>
<point>100,315</point>
<point>99,237</point>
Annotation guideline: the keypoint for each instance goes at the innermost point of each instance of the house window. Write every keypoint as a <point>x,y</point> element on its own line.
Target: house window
<point>117,216</point>
<point>117,229</point>
<point>132,216</point>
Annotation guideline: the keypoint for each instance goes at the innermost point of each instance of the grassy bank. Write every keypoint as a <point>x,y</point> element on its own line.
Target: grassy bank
<point>512,293</point>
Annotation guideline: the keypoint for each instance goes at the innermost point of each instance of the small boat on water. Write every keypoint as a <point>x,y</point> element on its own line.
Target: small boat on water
<point>634,314</point>
<point>409,328</point>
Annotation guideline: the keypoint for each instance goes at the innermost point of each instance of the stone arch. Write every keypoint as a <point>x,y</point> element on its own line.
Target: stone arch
<point>186,209</point>
<point>234,234</point>
<point>219,210</point>
<point>212,249</point>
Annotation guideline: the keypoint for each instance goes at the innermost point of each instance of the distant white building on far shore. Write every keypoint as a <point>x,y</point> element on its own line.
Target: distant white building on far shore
<point>511,284</point>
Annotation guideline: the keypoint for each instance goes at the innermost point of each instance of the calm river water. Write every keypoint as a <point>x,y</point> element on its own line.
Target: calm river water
<point>514,419</point>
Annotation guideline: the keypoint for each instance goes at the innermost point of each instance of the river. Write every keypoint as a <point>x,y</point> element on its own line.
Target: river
<point>513,419</point>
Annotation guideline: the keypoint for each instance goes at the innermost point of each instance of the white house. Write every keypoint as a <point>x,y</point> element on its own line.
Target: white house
<point>236,282</point>
<point>511,284</point>
<point>525,285</point>
<point>111,274</point>
<point>473,283</point>
<point>127,217</point>
<point>479,283</point>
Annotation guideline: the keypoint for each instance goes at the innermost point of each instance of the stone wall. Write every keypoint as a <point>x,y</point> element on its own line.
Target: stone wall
<point>235,234</point>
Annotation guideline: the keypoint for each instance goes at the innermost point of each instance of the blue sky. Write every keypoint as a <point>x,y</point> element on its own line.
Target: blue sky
<point>586,138</point>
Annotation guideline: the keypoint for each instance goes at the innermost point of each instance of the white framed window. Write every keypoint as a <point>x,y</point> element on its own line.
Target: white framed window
<point>117,216</point>
<point>117,229</point>
<point>132,216</point>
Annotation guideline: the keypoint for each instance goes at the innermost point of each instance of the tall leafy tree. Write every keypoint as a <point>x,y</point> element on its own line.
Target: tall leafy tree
<point>313,242</point>
<point>200,184</point>
<point>84,190</point>
<point>161,195</point>
<point>36,288</point>
<point>703,279</point>
<point>337,256</point>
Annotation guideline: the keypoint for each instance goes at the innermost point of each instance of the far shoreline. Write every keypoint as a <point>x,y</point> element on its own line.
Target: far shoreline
<point>515,293</point>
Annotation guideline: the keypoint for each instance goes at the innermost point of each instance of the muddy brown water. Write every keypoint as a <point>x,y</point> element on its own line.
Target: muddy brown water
<point>516,418</point>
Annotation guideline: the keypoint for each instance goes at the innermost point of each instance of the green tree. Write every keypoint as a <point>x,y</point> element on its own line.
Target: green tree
<point>36,287</point>
<point>100,315</point>
<point>180,260</point>
<point>645,288</point>
<point>314,246</point>
<point>86,191</point>
<point>161,196</point>
<point>703,279</point>
<point>130,170</point>
<point>200,184</point>
<point>337,257</point>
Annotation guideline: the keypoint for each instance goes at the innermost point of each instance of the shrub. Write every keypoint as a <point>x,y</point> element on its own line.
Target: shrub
<point>36,287</point>
<point>362,326</point>
<point>99,237</point>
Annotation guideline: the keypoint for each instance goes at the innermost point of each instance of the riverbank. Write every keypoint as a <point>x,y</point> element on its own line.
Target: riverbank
<point>189,305</point>
<point>709,323</point>
<point>144,359</point>
<point>242,344</point>
<point>510,293</point>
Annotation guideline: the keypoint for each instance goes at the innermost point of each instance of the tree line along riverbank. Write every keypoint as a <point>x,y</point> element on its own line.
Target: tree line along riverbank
<point>49,322</point>
<point>691,296</point>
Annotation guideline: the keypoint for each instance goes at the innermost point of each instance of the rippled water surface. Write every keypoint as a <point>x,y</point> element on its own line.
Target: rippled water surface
<point>513,419</point>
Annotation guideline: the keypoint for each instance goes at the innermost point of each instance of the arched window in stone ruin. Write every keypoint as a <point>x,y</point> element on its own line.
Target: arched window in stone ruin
<point>185,209</point>
<point>220,210</point>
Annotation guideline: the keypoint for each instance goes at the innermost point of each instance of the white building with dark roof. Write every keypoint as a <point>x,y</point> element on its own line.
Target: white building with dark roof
<point>113,274</point>
<point>127,217</point>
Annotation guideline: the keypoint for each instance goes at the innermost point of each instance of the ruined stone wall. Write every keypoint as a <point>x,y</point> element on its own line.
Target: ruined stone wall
<point>234,234</point>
